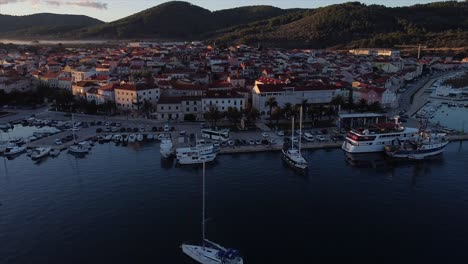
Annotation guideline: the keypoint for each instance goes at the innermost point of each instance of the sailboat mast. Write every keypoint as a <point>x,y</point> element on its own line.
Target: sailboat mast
<point>300,129</point>
<point>203,210</point>
<point>292,134</point>
<point>73,128</point>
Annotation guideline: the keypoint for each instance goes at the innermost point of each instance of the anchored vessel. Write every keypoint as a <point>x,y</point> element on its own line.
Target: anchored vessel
<point>427,144</point>
<point>293,156</point>
<point>201,153</point>
<point>377,136</point>
<point>209,252</point>
<point>166,148</point>
<point>40,152</point>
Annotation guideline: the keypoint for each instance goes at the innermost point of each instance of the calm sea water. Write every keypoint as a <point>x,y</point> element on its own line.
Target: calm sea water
<point>125,205</point>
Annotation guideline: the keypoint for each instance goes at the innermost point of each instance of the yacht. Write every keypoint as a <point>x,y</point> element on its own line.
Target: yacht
<point>167,148</point>
<point>425,145</point>
<point>10,151</point>
<point>293,156</point>
<point>209,252</point>
<point>377,136</point>
<point>40,152</point>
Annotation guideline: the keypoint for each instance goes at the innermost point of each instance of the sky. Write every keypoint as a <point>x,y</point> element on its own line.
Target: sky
<point>110,10</point>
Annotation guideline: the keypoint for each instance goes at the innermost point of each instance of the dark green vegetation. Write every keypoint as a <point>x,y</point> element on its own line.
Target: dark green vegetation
<point>41,25</point>
<point>178,20</point>
<point>441,24</point>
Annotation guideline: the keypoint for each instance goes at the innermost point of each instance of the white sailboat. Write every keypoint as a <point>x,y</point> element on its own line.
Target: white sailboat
<point>80,148</point>
<point>209,252</point>
<point>293,156</point>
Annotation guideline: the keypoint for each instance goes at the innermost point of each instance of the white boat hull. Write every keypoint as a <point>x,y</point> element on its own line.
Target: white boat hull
<point>208,255</point>
<point>419,154</point>
<point>187,160</point>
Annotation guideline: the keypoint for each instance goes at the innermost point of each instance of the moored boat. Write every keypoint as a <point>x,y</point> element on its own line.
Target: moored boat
<point>166,148</point>
<point>40,153</point>
<point>10,151</point>
<point>426,145</point>
<point>376,136</point>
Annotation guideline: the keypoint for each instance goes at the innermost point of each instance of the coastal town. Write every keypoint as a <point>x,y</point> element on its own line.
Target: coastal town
<point>178,88</point>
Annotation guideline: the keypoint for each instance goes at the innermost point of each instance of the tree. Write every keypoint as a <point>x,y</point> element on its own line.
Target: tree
<point>233,114</point>
<point>375,107</point>
<point>362,105</point>
<point>277,113</point>
<point>146,107</point>
<point>337,100</point>
<point>288,109</point>
<point>253,114</point>
<point>271,102</point>
<point>213,115</point>
<point>330,113</point>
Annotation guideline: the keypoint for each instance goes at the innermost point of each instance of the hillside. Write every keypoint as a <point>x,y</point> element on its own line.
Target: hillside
<point>44,24</point>
<point>178,20</point>
<point>440,24</point>
<point>355,24</point>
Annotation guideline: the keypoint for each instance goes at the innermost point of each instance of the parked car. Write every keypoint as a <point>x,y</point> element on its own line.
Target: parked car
<point>320,138</point>
<point>231,143</point>
<point>264,134</point>
<point>251,142</point>
<point>272,141</point>
<point>280,133</point>
<point>258,142</point>
<point>166,128</point>
<point>58,142</point>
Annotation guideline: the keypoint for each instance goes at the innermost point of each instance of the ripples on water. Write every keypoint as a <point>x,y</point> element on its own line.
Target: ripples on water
<point>126,205</point>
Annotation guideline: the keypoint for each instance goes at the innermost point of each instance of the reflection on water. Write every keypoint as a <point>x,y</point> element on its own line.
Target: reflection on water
<point>366,160</point>
<point>53,42</point>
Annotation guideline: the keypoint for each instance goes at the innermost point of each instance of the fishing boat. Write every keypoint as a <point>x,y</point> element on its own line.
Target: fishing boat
<point>10,151</point>
<point>426,145</point>
<point>40,153</point>
<point>293,157</point>
<point>166,148</point>
<point>209,252</point>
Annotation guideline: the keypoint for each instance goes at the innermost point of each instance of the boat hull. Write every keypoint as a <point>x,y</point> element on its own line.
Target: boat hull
<point>418,154</point>
<point>293,163</point>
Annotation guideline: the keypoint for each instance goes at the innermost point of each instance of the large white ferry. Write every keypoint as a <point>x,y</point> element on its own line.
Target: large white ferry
<point>377,136</point>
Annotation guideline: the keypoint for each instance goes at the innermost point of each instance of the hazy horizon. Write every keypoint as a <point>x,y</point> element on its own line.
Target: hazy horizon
<point>108,11</point>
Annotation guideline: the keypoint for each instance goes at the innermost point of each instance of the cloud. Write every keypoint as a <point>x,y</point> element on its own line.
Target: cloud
<point>87,3</point>
<point>57,3</point>
<point>5,2</point>
<point>52,2</point>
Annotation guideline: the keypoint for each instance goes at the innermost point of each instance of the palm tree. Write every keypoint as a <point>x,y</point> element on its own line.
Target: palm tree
<point>330,112</point>
<point>277,112</point>
<point>312,112</point>
<point>271,103</point>
<point>252,114</point>
<point>375,107</point>
<point>233,114</point>
<point>337,100</point>
<point>146,107</point>
<point>213,115</point>
<point>362,105</point>
<point>288,110</point>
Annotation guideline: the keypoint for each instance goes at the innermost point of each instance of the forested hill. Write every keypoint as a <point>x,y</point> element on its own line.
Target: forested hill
<point>43,24</point>
<point>353,24</point>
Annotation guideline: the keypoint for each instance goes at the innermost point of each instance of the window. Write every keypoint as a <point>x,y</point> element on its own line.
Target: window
<point>176,108</point>
<point>149,92</point>
<point>195,109</point>
<point>187,109</point>
<point>162,115</point>
<point>235,102</point>
<point>162,107</point>
<point>187,103</point>
<point>229,101</point>
<point>170,107</point>
<point>194,103</point>
<point>222,101</point>
<point>241,102</point>
<point>223,108</point>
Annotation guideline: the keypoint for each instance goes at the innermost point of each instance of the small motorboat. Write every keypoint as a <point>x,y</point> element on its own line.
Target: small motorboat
<point>40,153</point>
